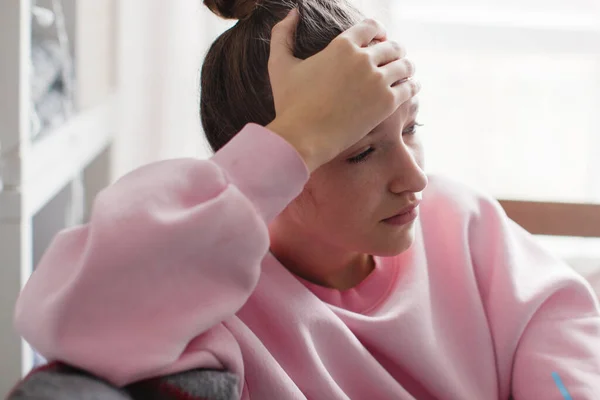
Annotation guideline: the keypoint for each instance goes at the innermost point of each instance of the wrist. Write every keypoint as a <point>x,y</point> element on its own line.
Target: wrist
<point>299,140</point>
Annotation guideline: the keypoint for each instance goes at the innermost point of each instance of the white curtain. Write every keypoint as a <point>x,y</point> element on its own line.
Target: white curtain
<point>160,47</point>
<point>511,93</point>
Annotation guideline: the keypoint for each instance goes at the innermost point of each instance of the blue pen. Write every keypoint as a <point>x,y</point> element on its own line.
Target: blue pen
<point>561,386</point>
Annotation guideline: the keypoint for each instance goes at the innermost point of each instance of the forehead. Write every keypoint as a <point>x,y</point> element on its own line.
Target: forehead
<point>406,111</point>
<point>411,106</point>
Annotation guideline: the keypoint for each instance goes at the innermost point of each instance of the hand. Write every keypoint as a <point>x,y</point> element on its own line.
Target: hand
<point>330,101</point>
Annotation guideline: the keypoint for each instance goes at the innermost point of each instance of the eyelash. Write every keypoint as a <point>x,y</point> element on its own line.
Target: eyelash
<point>363,156</point>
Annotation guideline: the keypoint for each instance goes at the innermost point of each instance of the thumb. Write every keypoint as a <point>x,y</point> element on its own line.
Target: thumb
<point>282,42</point>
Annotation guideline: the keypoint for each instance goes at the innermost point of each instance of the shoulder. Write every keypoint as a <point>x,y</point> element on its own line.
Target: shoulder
<point>445,197</point>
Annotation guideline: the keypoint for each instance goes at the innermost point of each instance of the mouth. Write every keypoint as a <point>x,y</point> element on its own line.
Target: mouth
<point>405,216</point>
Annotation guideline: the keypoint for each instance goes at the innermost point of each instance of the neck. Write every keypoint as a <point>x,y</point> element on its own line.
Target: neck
<point>318,261</point>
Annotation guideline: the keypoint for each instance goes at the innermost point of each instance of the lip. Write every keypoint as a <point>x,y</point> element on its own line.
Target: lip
<point>405,216</point>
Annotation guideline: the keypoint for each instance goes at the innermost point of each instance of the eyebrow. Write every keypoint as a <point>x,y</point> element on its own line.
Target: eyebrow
<point>414,109</point>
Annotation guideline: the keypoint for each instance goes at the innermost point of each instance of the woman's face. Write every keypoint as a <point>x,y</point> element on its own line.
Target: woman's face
<point>346,201</point>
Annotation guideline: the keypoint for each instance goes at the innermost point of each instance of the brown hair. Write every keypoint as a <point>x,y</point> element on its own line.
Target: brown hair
<point>235,87</point>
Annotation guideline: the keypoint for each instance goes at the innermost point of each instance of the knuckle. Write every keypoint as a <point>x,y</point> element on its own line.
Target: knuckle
<point>369,21</point>
<point>397,47</point>
<point>363,60</point>
<point>370,54</point>
<point>379,76</point>
<point>275,29</point>
<point>401,50</point>
<point>415,87</point>
<point>343,44</point>
<point>373,23</point>
<point>410,67</point>
<point>388,97</point>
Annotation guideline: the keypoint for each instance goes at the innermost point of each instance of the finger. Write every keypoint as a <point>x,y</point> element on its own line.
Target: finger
<point>282,41</point>
<point>385,52</point>
<point>406,90</point>
<point>398,71</point>
<point>365,32</point>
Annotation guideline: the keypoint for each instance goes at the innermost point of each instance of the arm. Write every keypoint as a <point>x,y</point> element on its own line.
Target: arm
<point>544,317</point>
<point>171,250</point>
<point>174,248</point>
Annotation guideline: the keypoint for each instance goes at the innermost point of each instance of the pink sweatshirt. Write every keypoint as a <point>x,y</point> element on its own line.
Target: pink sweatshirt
<point>173,272</point>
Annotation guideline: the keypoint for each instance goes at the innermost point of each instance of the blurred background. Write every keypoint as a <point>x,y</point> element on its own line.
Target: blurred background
<point>91,89</point>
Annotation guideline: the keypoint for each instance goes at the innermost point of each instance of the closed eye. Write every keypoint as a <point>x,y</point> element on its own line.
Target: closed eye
<point>361,157</point>
<point>412,129</point>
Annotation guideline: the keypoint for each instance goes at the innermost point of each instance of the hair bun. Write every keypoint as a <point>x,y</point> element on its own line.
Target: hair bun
<point>232,9</point>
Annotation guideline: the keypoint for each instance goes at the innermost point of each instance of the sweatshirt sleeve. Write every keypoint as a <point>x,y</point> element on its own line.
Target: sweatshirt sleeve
<point>544,317</point>
<point>171,250</point>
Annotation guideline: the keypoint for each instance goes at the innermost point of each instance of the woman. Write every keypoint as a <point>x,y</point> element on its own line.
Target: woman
<point>308,257</point>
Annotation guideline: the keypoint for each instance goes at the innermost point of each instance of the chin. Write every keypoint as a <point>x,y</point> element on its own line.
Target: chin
<point>393,246</point>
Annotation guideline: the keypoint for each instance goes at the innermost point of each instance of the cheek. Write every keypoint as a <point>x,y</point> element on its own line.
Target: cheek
<point>319,199</point>
<point>302,208</point>
<point>343,200</point>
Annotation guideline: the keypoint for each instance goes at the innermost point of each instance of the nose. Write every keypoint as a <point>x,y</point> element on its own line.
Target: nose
<point>407,168</point>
